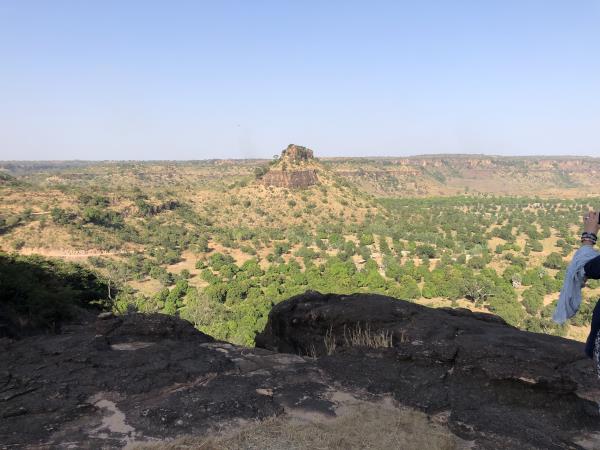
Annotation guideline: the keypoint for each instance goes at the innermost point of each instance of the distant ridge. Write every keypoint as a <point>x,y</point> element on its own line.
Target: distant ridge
<point>410,176</point>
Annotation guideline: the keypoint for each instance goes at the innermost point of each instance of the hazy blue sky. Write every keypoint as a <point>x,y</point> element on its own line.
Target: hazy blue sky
<point>194,80</point>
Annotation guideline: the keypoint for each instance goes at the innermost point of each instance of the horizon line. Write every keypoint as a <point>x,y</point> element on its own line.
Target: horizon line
<point>415,156</point>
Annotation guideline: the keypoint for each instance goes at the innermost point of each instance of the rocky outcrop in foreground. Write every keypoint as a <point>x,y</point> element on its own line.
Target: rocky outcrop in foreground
<point>139,378</point>
<point>142,378</point>
<point>497,386</point>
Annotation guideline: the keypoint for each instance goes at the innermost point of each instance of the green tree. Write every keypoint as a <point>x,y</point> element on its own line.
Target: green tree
<point>477,288</point>
<point>476,262</point>
<point>555,261</point>
<point>409,289</point>
<point>384,247</point>
<point>216,292</point>
<point>366,239</point>
<point>425,251</point>
<point>533,299</point>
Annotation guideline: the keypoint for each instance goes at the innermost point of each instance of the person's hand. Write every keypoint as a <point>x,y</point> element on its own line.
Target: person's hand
<point>590,222</point>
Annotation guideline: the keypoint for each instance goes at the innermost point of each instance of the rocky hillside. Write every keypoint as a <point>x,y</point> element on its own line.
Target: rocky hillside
<point>295,189</point>
<point>147,378</point>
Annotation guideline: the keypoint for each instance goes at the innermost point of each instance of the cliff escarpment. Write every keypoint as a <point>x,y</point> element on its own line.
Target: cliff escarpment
<point>447,175</point>
<point>295,179</point>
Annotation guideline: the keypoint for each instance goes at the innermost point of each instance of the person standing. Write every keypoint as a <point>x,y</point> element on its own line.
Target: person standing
<point>585,265</point>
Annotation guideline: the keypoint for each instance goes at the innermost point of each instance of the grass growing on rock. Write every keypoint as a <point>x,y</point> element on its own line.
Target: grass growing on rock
<point>365,337</point>
<point>359,336</point>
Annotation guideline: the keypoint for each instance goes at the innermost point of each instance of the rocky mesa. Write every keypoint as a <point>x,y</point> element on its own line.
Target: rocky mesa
<point>134,379</point>
<point>295,169</point>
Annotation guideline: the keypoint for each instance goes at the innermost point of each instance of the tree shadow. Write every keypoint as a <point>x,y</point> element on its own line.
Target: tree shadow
<point>38,295</point>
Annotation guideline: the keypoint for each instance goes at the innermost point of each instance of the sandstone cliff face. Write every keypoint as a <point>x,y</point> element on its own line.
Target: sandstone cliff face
<point>293,179</point>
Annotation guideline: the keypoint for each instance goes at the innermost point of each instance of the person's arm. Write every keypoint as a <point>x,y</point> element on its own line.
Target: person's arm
<point>592,268</point>
<point>590,225</point>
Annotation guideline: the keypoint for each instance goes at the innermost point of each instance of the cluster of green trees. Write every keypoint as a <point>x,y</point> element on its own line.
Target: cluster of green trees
<point>455,232</point>
<point>235,303</point>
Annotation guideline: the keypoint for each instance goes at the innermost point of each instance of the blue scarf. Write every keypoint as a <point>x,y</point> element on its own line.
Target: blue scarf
<point>570,294</point>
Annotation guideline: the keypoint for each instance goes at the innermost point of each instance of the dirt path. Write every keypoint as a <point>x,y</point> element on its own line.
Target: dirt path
<point>70,253</point>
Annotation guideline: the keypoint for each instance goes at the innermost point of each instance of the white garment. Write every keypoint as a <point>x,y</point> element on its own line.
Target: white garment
<point>570,294</point>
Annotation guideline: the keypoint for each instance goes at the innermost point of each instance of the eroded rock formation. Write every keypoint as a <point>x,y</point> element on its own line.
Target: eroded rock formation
<point>297,153</point>
<point>294,170</point>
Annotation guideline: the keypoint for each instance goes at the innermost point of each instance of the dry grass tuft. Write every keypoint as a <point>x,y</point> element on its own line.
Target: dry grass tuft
<point>364,337</point>
<point>367,426</point>
<point>330,344</point>
<point>312,352</point>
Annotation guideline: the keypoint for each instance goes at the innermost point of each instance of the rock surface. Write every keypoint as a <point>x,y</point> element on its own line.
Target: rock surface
<point>139,378</point>
<point>291,179</point>
<point>142,378</point>
<point>496,385</point>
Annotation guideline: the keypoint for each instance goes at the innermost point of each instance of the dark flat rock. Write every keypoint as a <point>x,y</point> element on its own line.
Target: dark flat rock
<point>147,377</point>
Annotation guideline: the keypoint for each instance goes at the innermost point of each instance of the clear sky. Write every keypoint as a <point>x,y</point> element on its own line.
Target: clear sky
<point>176,79</point>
